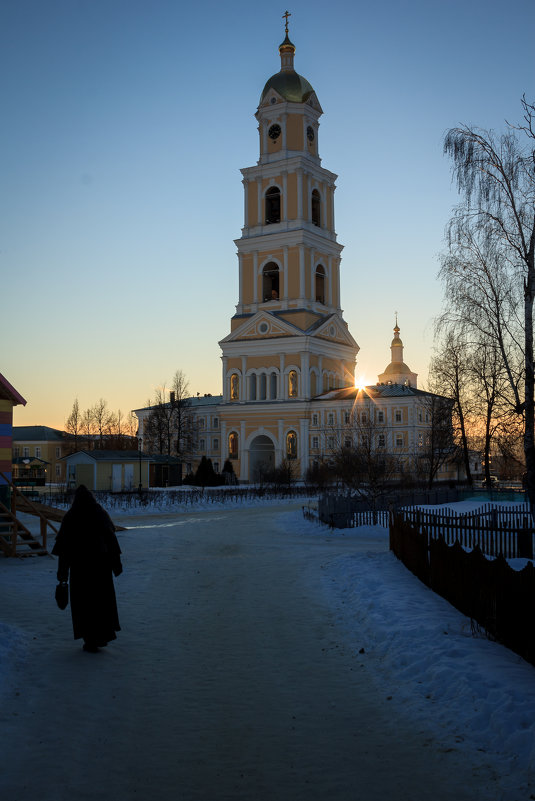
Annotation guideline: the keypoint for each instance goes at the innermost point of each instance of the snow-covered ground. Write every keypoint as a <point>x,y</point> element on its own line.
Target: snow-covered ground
<point>474,699</point>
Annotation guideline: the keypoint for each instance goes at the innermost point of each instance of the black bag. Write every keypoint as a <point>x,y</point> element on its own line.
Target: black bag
<point>62,595</point>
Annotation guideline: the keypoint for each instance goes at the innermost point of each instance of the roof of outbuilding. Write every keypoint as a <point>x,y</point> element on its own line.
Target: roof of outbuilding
<point>8,392</point>
<point>29,460</point>
<point>37,433</point>
<point>112,456</point>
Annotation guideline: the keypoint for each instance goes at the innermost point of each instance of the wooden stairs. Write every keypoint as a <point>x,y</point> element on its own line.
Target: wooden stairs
<point>15,538</point>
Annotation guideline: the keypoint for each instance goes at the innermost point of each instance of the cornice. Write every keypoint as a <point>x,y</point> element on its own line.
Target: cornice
<point>300,161</point>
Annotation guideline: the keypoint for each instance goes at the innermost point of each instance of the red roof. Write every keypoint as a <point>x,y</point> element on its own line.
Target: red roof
<point>7,392</point>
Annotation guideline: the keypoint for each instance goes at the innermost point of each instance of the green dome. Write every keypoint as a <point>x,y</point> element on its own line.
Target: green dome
<point>291,86</point>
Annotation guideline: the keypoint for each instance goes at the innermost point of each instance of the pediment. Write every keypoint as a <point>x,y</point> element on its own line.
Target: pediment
<point>261,325</point>
<point>335,330</point>
<point>272,98</point>
<point>314,102</point>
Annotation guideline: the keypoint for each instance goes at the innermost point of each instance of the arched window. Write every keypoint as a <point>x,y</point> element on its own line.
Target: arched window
<point>263,383</point>
<point>252,387</point>
<point>320,283</point>
<point>273,205</point>
<point>233,445</point>
<point>273,386</point>
<point>270,281</point>
<point>316,207</point>
<point>313,384</point>
<point>234,387</point>
<point>292,384</point>
<point>291,445</point>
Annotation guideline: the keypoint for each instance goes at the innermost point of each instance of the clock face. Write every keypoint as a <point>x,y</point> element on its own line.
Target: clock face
<point>310,134</point>
<point>274,132</point>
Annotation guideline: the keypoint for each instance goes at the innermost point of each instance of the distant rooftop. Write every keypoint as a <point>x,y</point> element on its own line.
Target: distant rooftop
<point>37,434</point>
<point>194,402</point>
<point>373,391</point>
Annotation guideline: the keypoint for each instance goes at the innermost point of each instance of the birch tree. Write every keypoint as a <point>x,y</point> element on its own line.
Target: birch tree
<point>495,176</point>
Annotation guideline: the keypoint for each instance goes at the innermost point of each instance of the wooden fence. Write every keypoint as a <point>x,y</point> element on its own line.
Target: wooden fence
<point>496,597</point>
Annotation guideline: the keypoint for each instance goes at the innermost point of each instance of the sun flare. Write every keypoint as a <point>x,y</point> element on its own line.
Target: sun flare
<point>360,382</point>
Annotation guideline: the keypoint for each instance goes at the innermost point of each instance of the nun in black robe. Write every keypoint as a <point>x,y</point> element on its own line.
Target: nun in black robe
<point>88,554</point>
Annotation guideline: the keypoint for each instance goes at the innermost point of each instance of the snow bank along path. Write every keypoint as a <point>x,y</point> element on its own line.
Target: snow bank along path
<point>231,679</point>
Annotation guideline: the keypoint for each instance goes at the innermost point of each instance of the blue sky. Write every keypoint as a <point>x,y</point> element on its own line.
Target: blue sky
<point>125,125</point>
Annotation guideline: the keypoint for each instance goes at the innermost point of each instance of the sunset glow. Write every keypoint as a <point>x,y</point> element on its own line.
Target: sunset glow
<point>361,382</point>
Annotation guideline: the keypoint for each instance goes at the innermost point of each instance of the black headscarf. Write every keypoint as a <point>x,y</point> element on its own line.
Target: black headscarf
<point>87,531</point>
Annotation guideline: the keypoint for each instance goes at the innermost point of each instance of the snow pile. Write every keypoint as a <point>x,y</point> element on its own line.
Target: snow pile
<point>436,663</point>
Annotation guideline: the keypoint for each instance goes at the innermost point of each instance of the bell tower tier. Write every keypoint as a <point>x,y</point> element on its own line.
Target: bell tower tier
<point>288,339</point>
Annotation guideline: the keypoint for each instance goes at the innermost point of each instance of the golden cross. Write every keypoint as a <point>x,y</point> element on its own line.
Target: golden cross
<point>286,15</point>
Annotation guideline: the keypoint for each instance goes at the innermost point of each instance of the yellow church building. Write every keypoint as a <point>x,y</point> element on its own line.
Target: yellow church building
<point>289,359</point>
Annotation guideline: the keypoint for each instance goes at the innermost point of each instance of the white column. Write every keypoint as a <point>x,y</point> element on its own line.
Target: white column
<point>243,388</point>
<point>330,283</point>
<point>305,374</point>
<point>283,389</point>
<point>255,276</point>
<point>240,286</point>
<point>284,215</point>
<point>259,201</point>
<point>282,442</point>
<point>299,194</point>
<point>224,360</point>
<point>301,272</point>
<point>338,280</point>
<point>312,275</point>
<point>283,126</point>
<point>285,288</point>
<point>332,208</point>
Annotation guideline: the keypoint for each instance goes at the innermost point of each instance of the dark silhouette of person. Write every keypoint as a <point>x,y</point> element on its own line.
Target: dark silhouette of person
<point>88,554</point>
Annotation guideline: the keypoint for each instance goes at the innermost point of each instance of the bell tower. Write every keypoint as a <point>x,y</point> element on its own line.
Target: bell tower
<point>288,341</point>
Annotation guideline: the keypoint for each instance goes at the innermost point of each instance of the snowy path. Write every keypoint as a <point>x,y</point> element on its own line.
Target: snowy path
<point>230,680</point>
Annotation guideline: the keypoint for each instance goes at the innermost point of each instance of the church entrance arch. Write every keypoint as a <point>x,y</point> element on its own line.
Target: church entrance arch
<point>261,457</point>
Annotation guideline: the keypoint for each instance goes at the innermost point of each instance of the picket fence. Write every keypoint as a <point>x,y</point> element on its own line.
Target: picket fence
<point>450,554</point>
<point>495,530</point>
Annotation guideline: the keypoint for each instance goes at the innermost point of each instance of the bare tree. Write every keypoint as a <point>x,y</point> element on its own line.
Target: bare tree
<point>436,447</point>
<point>489,396</point>
<point>183,420</point>
<point>170,427</point>
<point>360,456</point>
<point>449,375</point>
<point>87,427</point>
<point>496,178</point>
<point>103,420</point>
<point>73,423</point>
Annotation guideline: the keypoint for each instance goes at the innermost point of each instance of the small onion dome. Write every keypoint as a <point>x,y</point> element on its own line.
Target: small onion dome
<point>397,367</point>
<point>289,85</point>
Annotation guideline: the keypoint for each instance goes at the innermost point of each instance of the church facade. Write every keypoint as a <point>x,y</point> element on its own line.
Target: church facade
<point>288,361</point>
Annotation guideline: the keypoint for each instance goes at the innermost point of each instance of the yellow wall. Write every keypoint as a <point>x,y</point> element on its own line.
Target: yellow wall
<point>84,475</point>
<point>254,362</point>
<point>252,203</point>
<point>294,132</point>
